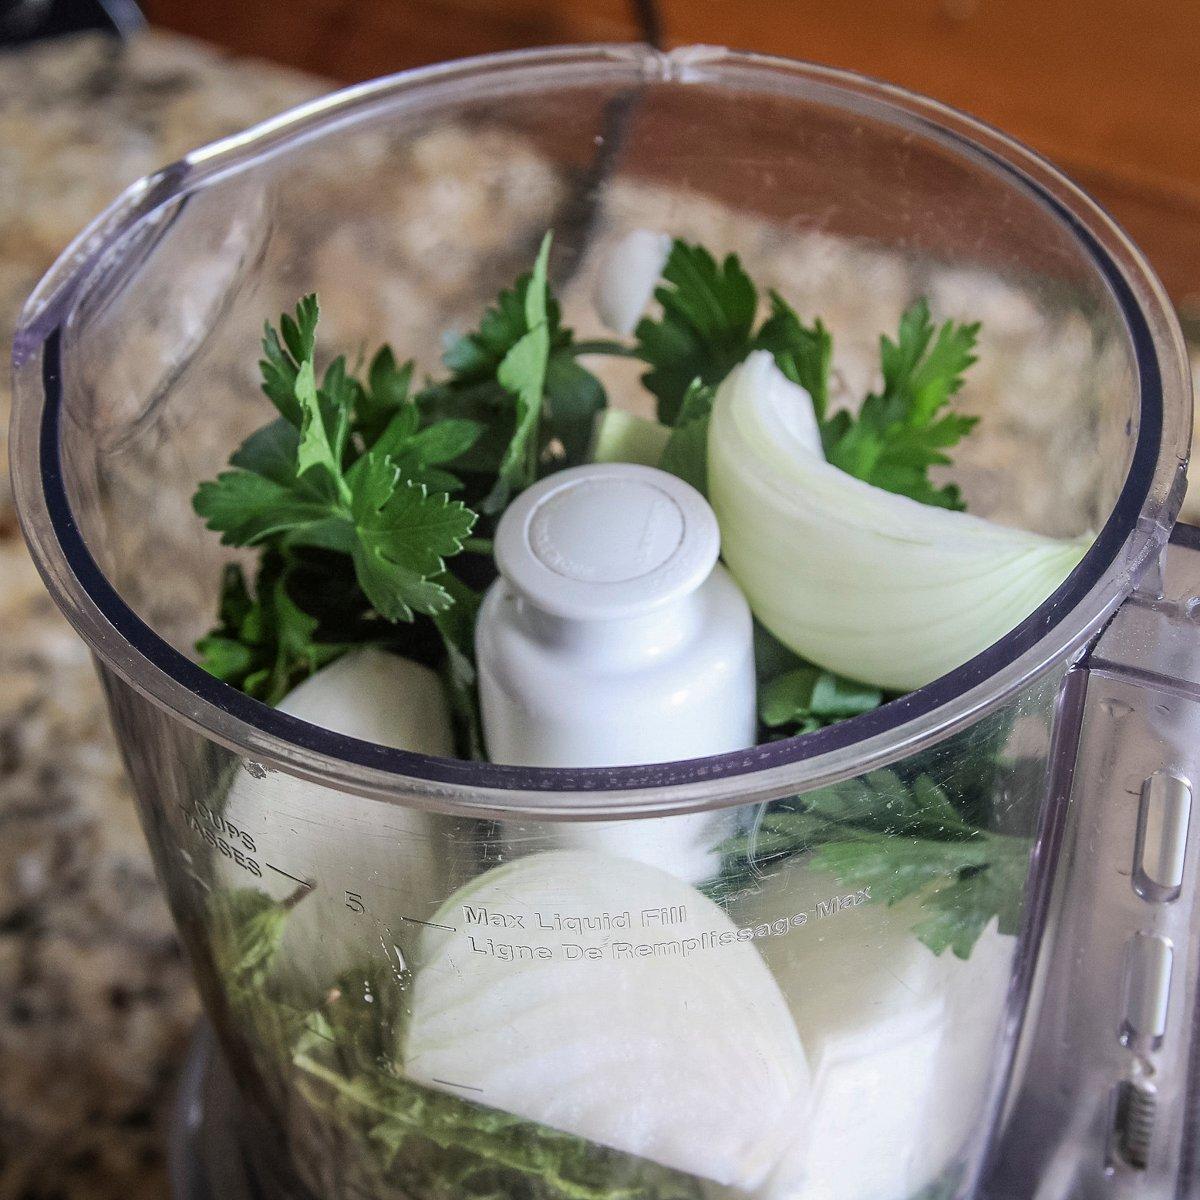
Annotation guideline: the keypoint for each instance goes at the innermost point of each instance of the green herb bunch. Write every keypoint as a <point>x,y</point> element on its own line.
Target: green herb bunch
<point>398,1137</point>
<point>361,491</point>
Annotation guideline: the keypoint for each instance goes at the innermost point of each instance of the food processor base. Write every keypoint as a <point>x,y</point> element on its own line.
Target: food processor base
<point>205,1159</point>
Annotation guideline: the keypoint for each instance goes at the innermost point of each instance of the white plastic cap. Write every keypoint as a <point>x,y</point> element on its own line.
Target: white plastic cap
<point>607,541</point>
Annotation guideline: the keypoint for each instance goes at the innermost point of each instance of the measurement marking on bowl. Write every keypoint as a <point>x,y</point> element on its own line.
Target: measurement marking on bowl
<point>308,883</point>
<point>431,924</point>
<point>468,1087</point>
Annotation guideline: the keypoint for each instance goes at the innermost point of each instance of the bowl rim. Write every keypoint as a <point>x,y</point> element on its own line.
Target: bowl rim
<point>1058,631</point>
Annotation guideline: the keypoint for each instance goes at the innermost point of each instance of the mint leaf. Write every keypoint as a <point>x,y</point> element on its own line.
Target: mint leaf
<point>686,451</point>
<point>898,435</point>
<point>705,329</point>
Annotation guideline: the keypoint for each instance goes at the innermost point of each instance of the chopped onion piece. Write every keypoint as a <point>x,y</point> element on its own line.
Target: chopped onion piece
<point>861,581</point>
<point>338,841</point>
<point>627,277</point>
<point>607,999</point>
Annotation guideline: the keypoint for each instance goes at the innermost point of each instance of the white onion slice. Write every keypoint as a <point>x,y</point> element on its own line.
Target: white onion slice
<point>684,1054</point>
<point>866,583</point>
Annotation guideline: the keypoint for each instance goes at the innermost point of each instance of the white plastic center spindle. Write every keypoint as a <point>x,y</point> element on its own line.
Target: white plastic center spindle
<point>607,542</point>
<point>607,530</point>
<point>613,637</point>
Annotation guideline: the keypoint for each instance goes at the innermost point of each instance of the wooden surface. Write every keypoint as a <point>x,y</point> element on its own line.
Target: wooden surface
<point>1109,89</point>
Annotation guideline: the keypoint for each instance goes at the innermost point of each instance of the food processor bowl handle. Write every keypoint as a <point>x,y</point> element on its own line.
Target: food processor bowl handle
<point>1105,1096</point>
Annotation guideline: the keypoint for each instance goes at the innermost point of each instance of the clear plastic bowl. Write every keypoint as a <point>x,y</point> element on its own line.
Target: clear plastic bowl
<point>585,1027</point>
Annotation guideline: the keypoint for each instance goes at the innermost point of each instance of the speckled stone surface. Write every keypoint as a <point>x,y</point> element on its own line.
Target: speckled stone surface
<point>95,1001</point>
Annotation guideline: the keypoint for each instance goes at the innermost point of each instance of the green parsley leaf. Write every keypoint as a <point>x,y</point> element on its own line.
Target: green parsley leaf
<point>387,393</point>
<point>803,353</point>
<point>705,329</point>
<point>248,509</point>
<point>403,535</point>
<point>248,928</point>
<point>960,911</point>
<point>900,839</point>
<point>686,451</point>
<point>282,356</point>
<point>323,430</point>
<point>266,643</point>
<point>898,435</point>
<point>392,1135</point>
<point>388,509</point>
<point>518,377</point>
<point>795,696</point>
<point>808,698</point>
<point>522,372</point>
<point>456,625</point>
<point>964,885</point>
<point>418,454</point>
<point>573,398</point>
<point>428,1142</point>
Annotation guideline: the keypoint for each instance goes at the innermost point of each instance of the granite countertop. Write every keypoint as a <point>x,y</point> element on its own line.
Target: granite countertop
<point>95,1001</point>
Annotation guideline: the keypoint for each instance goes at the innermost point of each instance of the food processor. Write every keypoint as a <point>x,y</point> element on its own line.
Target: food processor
<point>414,985</point>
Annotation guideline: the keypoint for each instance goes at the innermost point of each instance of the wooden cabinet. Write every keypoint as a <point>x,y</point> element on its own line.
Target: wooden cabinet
<point>1108,89</point>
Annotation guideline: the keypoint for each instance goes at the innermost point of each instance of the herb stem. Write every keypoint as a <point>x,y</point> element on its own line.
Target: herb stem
<point>604,346</point>
<point>340,1084</point>
<point>478,545</point>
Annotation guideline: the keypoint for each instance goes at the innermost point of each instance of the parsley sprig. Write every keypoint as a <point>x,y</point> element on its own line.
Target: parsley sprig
<point>901,836</point>
<point>338,1059</point>
<point>366,490</point>
<point>707,327</point>
<point>519,377</point>
<point>309,480</point>
<point>902,431</point>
